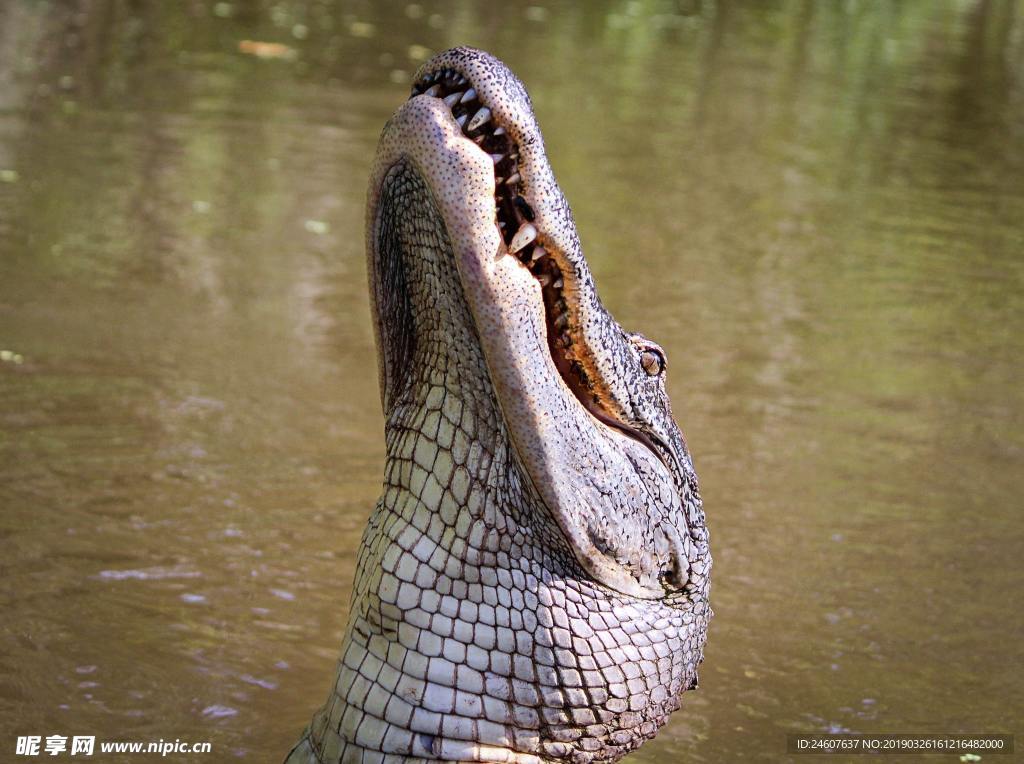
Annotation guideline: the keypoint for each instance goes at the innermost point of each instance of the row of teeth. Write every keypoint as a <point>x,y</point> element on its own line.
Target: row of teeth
<point>515,217</point>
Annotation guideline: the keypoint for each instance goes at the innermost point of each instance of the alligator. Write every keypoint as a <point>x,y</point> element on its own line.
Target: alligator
<point>533,583</point>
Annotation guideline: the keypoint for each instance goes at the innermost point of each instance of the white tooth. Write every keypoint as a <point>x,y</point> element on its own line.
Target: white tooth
<point>557,283</point>
<point>538,253</point>
<point>524,236</point>
<point>451,100</point>
<point>561,320</point>
<point>469,95</point>
<point>499,130</point>
<point>513,178</point>
<point>461,120</point>
<point>433,90</point>
<point>544,278</point>
<point>497,158</point>
<point>479,118</point>
<point>460,80</point>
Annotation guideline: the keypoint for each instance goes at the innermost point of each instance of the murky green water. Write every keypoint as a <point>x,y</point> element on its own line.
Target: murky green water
<point>818,208</point>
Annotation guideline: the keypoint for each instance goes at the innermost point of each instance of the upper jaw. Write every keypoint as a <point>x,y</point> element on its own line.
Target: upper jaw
<point>615,501</point>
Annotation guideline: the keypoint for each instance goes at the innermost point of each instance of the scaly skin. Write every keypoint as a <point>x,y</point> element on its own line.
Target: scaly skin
<point>532,584</point>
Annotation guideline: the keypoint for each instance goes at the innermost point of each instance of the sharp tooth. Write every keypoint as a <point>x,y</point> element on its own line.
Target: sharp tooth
<point>479,118</point>
<point>513,178</point>
<point>451,100</point>
<point>461,120</point>
<point>469,95</point>
<point>499,130</point>
<point>497,158</point>
<point>460,80</point>
<point>561,321</point>
<point>524,236</point>
<point>544,279</point>
<point>433,90</point>
<point>524,208</point>
<point>498,180</point>
<point>479,139</point>
<point>557,283</point>
<point>538,253</point>
<point>566,342</point>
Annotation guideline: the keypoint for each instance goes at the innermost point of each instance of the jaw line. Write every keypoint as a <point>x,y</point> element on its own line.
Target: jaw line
<point>544,418</point>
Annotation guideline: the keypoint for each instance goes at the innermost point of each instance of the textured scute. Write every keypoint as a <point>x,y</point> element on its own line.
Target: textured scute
<point>475,632</point>
<point>471,621</point>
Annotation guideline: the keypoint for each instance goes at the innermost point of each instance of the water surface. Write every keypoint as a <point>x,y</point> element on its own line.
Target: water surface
<point>818,208</point>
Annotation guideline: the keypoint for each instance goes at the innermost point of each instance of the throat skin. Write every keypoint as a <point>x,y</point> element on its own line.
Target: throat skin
<point>474,634</point>
<point>503,608</point>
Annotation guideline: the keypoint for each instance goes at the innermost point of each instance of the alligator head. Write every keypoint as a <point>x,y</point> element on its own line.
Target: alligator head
<point>533,582</point>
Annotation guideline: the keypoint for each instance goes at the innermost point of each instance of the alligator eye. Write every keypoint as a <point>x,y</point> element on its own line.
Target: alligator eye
<point>652,361</point>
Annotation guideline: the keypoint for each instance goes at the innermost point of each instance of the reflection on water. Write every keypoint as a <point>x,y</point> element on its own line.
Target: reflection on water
<point>817,208</point>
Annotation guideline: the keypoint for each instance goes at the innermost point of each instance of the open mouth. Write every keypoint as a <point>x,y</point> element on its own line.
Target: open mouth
<point>515,218</point>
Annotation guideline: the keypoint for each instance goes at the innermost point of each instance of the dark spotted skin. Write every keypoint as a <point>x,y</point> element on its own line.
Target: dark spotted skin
<point>476,632</point>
